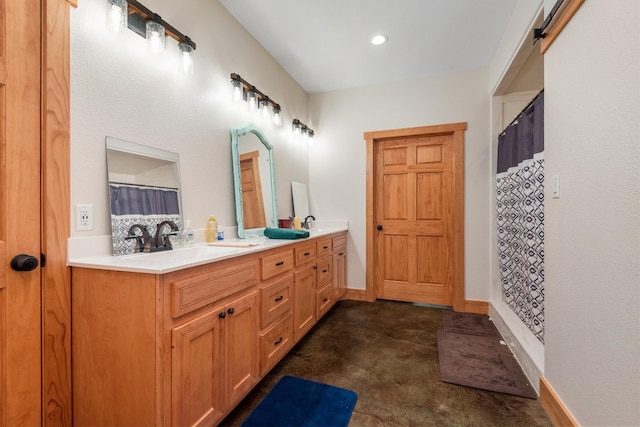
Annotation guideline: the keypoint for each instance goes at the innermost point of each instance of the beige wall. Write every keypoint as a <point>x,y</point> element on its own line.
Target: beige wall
<point>337,161</point>
<point>119,89</point>
<point>592,232</point>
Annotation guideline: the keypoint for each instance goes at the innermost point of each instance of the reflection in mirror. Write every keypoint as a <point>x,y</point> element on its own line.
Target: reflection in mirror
<point>300,200</point>
<point>144,190</point>
<point>254,179</point>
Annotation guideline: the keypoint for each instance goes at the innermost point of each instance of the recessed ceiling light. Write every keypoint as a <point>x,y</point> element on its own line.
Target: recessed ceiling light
<point>379,39</point>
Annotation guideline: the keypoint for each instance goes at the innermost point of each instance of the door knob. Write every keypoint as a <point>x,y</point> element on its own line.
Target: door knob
<point>24,262</point>
<point>379,227</point>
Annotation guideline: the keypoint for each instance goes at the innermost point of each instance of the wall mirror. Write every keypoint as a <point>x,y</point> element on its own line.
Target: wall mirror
<point>254,180</point>
<point>144,189</point>
<point>300,199</point>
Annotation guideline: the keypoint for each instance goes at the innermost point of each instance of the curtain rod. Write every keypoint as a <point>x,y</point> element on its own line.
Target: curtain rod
<point>523,110</point>
<point>128,184</point>
<point>538,33</point>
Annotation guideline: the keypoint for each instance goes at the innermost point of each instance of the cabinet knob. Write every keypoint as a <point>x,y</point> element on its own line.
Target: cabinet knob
<point>231,310</point>
<point>379,227</point>
<point>222,315</point>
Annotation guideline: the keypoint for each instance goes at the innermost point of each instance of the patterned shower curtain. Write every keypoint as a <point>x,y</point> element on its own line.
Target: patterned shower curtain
<point>520,215</point>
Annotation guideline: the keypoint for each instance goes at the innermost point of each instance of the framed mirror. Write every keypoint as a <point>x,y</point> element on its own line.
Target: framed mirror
<point>254,180</point>
<point>144,189</point>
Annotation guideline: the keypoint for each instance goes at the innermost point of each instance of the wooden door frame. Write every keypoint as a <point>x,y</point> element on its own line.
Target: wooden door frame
<point>456,130</point>
<point>56,217</point>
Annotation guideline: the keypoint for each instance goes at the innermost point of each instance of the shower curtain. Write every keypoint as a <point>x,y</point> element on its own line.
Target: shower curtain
<point>520,215</point>
<point>144,205</point>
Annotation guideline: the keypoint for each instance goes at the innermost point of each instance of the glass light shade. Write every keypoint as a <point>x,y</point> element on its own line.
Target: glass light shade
<point>117,13</point>
<point>277,119</point>
<point>155,36</point>
<point>266,111</point>
<point>186,58</point>
<point>237,90</point>
<point>296,129</point>
<point>310,135</point>
<point>252,100</point>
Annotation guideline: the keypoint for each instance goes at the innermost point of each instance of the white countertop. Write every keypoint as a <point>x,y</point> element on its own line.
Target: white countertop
<point>181,258</point>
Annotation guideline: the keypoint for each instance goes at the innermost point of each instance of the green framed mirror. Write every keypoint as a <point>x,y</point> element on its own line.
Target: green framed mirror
<point>254,180</point>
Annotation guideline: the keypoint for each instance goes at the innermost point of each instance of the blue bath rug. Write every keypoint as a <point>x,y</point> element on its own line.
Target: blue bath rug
<point>299,402</point>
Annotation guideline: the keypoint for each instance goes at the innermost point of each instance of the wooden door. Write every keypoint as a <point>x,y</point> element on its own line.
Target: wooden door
<point>241,347</point>
<point>197,373</point>
<point>304,301</point>
<point>417,214</point>
<point>20,319</point>
<point>252,201</point>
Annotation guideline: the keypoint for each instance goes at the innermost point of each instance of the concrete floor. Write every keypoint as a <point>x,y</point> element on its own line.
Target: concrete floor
<point>387,353</point>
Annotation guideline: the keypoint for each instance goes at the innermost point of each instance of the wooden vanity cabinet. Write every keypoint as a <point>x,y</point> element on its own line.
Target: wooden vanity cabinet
<point>183,348</point>
<point>339,282</point>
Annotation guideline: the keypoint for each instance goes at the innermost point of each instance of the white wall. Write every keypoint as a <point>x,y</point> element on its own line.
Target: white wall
<point>337,160</point>
<point>119,89</point>
<point>592,232</point>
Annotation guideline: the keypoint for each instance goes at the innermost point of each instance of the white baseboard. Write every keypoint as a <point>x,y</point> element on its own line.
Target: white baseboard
<point>527,349</point>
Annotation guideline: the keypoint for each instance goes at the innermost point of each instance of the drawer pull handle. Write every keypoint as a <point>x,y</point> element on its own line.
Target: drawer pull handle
<point>325,300</point>
<point>324,271</point>
<point>278,342</point>
<point>278,264</point>
<point>307,253</point>
<point>279,298</point>
<point>341,253</point>
<point>325,247</point>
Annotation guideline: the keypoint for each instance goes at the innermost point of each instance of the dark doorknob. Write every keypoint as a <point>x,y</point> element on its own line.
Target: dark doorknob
<point>24,262</point>
<point>379,227</point>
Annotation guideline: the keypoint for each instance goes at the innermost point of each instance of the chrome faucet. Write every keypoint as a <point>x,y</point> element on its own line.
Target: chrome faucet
<point>164,238</point>
<point>144,239</point>
<point>307,222</point>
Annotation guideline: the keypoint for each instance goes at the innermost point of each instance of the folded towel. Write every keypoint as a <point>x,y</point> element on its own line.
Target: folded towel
<point>285,233</point>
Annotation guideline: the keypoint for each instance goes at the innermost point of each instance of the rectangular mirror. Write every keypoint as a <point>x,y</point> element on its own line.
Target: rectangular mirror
<point>300,199</point>
<point>254,179</point>
<point>144,189</point>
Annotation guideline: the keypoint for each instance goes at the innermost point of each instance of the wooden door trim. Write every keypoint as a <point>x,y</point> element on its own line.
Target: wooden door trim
<point>371,138</point>
<point>55,189</point>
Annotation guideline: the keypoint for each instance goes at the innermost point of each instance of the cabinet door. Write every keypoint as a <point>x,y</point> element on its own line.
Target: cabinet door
<point>241,347</point>
<point>304,293</point>
<point>197,395</point>
<point>339,274</point>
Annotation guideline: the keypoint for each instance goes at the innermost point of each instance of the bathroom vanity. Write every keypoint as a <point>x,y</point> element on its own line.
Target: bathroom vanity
<point>180,337</point>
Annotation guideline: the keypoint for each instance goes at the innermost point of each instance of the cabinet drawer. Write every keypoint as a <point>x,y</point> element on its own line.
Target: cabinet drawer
<point>323,301</point>
<point>276,300</point>
<point>272,265</point>
<point>304,254</point>
<point>275,343</point>
<point>190,294</point>
<point>323,247</point>
<point>324,272</point>
<point>339,243</point>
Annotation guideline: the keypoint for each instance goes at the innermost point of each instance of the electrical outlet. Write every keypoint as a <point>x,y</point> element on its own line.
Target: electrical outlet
<point>84,217</point>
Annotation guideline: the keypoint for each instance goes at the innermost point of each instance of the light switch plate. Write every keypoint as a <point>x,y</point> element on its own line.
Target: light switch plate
<point>555,186</point>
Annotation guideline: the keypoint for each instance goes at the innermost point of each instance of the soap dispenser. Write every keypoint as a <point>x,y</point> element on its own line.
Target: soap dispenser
<point>212,229</point>
<point>188,234</point>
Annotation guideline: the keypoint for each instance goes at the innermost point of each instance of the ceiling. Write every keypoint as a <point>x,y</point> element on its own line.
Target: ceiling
<point>324,44</point>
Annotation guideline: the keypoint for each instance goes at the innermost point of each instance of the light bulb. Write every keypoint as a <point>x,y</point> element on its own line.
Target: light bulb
<point>296,129</point>
<point>116,15</point>
<point>186,57</point>
<point>237,90</point>
<point>264,106</point>
<point>252,100</point>
<point>155,36</point>
<point>277,119</point>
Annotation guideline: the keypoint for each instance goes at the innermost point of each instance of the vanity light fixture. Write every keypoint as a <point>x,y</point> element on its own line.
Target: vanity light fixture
<point>148,24</point>
<point>300,129</point>
<point>243,90</point>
